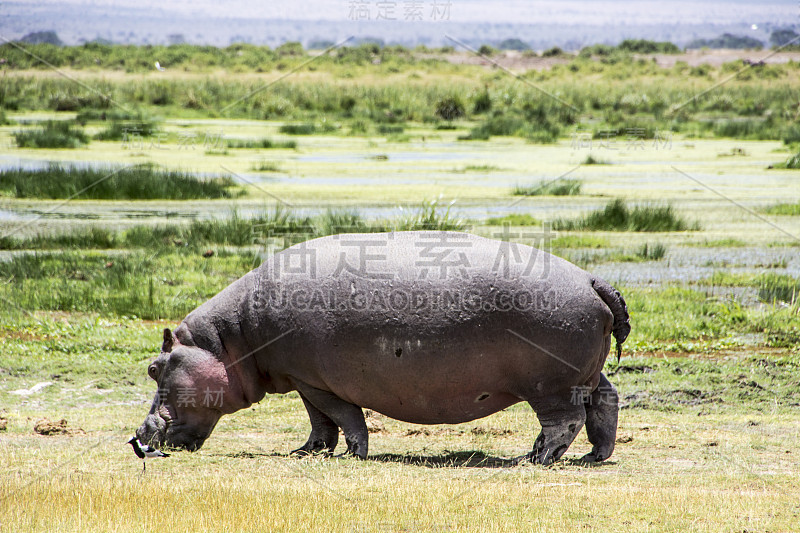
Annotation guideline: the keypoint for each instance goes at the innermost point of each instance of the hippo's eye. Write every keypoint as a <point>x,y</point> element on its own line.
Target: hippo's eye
<point>152,371</point>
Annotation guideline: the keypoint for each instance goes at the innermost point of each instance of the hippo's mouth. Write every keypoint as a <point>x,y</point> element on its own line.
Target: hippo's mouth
<point>170,435</point>
<point>182,437</point>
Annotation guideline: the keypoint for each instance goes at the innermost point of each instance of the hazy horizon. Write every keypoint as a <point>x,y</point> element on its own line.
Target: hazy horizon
<point>400,21</point>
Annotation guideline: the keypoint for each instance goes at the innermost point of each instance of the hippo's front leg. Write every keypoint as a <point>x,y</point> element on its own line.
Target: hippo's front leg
<point>561,419</point>
<point>345,415</point>
<point>324,432</point>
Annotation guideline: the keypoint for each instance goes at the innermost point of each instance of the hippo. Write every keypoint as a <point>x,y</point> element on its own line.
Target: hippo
<point>426,327</point>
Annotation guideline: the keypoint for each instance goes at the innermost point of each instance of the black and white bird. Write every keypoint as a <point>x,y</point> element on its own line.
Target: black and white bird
<point>145,452</point>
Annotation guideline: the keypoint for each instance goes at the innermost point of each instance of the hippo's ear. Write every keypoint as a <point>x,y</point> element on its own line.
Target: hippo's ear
<point>168,340</point>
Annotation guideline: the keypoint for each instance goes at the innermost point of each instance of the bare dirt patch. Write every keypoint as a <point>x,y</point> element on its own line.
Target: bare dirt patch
<point>48,428</point>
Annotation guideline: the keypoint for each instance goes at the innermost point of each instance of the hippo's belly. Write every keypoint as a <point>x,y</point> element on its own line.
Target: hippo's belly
<point>444,365</point>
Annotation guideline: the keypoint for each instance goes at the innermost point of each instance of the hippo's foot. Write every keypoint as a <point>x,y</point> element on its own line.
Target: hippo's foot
<point>328,413</point>
<point>602,410</point>
<point>357,446</point>
<point>324,432</point>
<point>561,421</point>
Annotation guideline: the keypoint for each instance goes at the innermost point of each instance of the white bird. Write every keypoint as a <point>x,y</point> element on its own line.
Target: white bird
<point>145,452</point>
<point>159,67</point>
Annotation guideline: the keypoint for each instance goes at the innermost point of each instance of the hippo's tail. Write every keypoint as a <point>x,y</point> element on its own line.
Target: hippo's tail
<point>614,300</point>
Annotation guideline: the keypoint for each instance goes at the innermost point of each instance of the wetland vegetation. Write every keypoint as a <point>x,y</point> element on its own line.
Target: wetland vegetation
<point>131,198</point>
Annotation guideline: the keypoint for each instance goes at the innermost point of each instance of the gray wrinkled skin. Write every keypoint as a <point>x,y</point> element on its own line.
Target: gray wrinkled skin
<point>424,327</point>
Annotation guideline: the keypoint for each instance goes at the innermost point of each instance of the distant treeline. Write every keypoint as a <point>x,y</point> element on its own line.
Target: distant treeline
<point>244,57</point>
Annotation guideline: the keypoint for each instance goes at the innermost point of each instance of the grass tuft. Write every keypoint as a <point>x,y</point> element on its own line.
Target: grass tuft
<point>514,219</point>
<point>143,182</point>
<point>651,252</point>
<point>298,129</point>
<point>559,187</point>
<point>617,216</point>
<point>52,134</point>
<point>126,129</point>
<point>778,287</point>
<point>784,209</point>
<point>430,216</point>
<point>260,143</point>
<point>592,160</point>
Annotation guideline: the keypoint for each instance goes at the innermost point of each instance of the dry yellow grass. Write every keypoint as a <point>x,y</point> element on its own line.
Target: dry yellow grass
<point>677,472</point>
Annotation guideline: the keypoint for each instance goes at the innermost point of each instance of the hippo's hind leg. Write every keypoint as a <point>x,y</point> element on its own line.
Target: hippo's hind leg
<point>324,432</point>
<point>561,420</point>
<point>602,410</point>
<point>345,415</point>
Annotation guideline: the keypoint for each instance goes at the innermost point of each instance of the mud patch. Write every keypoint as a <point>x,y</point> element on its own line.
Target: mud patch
<point>47,428</point>
<point>24,336</point>
<point>632,369</point>
<point>374,422</point>
<point>425,432</point>
<point>491,431</point>
<point>669,399</point>
<point>3,424</point>
<point>476,431</point>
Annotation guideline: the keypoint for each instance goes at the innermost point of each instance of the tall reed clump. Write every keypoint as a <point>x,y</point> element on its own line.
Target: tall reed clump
<point>778,287</point>
<point>651,252</point>
<point>430,216</point>
<point>52,134</point>
<point>334,222</point>
<point>617,216</point>
<point>142,182</point>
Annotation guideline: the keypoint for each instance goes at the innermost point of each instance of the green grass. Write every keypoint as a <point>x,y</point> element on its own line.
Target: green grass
<point>592,160</point>
<point>346,88</point>
<point>4,120</point>
<point>784,209</point>
<point>52,134</point>
<point>481,168</point>
<point>260,144</point>
<point>90,238</point>
<point>651,252</point>
<point>430,216</point>
<point>143,182</point>
<point>683,319</point>
<point>778,287</point>
<point>515,219</point>
<point>558,187</point>
<point>334,222</point>
<point>585,259</point>
<point>580,241</point>
<point>532,124</point>
<point>233,230</point>
<point>727,242</point>
<point>236,231</point>
<point>771,286</point>
<point>267,166</point>
<point>128,129</point>
<point>617,216</point>
<point>793,162</point>
<point>138,284</point>
<point>298,129</point>
<point>390,129</point>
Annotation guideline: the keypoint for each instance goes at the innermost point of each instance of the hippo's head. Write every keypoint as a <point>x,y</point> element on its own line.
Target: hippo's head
<point>192,389</point>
